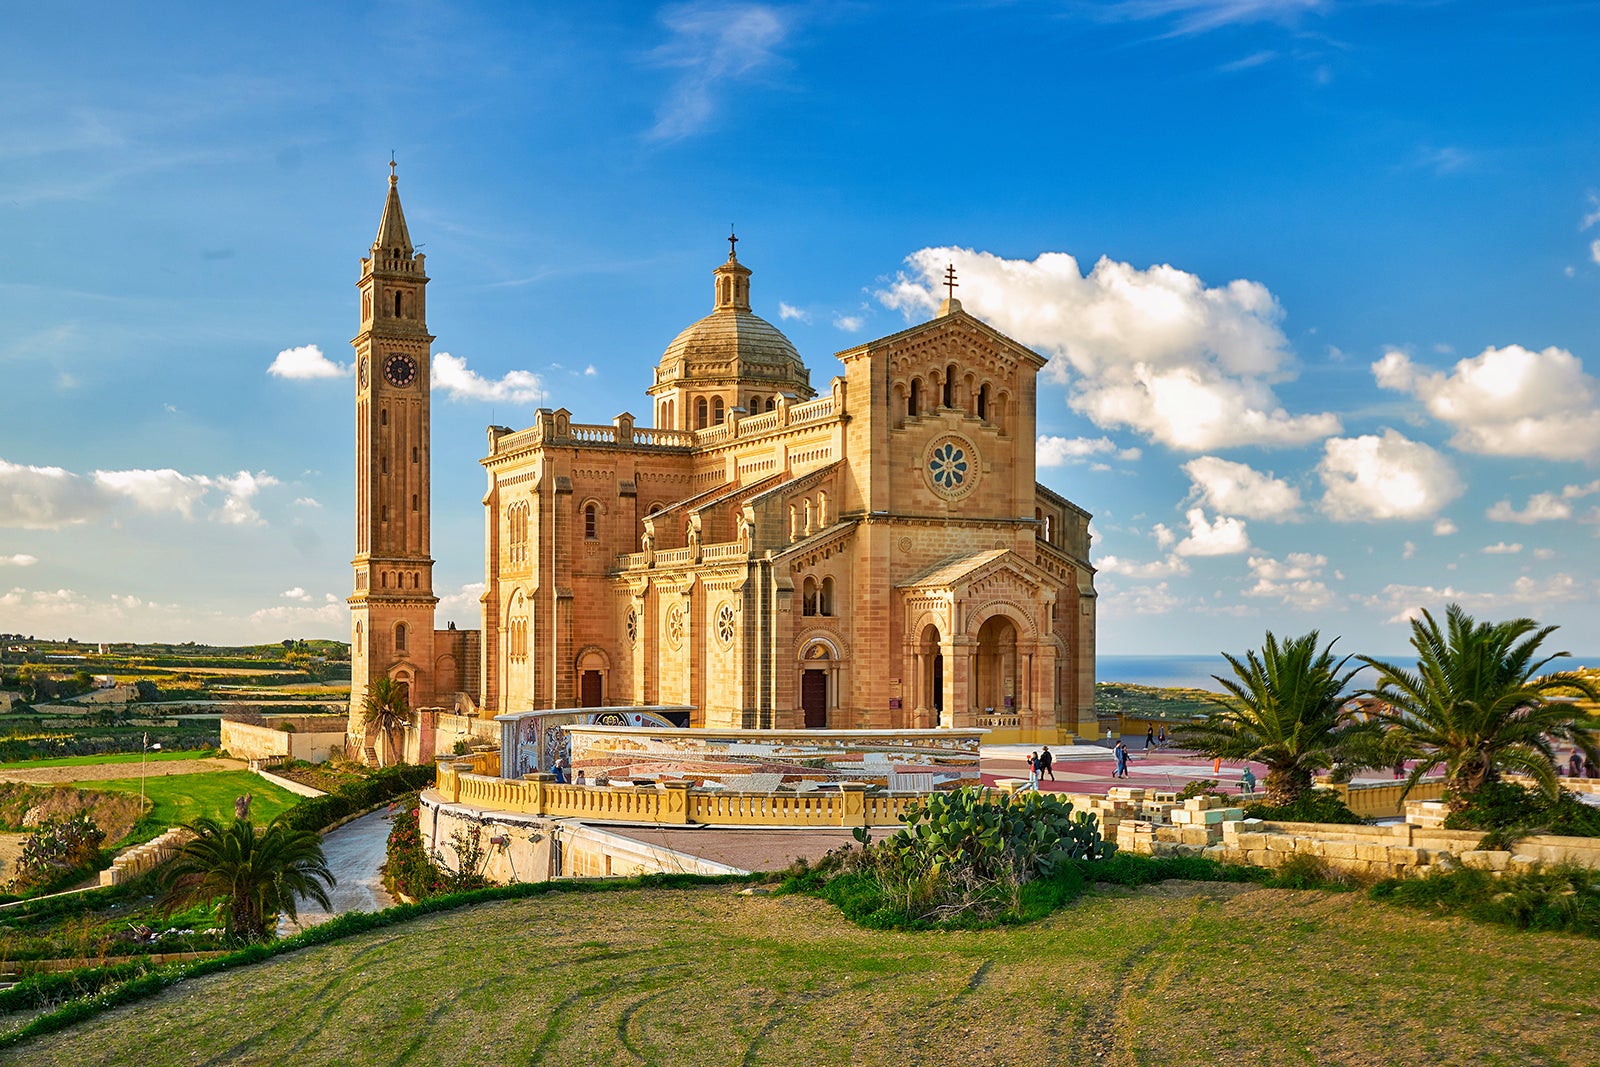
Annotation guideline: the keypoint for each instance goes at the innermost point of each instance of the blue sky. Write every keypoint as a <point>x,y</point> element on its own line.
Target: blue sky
<point>1318,281</point>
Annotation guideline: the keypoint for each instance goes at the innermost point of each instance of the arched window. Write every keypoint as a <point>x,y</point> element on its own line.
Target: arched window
<point>808,600</point>
<point>397,305</point>
<point>383,416</point>
<point>701,413</point>
<point>983,402</point>
<point>822,510</point>
<point>413,501</point>
<point>825,600</point>
<point>1050,529</point>
<point>914,401</point>
<point>383,464</point>
<point>413,453</point>
<point>399,637</point>
<point>358,639</point>
<point>591,522</point>
<point>383,512</point>
<point>950,386</point>
<point>771,403</point>
<point>717,411</point>
<point>755,404</point>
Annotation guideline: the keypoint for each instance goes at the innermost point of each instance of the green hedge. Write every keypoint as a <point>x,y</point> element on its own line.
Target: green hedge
<point>317,813</point>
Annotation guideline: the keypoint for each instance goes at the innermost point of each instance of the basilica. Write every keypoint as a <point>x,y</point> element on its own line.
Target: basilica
<point>870,552</point>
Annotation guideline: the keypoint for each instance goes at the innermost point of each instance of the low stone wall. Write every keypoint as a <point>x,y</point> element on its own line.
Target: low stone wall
<point>132,862</point>
<point>532,848</point>
<point>1395,851</point>
<point>315,738</point>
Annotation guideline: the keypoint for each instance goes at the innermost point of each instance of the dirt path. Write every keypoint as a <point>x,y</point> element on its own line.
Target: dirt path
<point>101,771</point>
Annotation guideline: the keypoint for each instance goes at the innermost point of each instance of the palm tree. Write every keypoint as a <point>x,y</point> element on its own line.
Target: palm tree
<point>1286,711</point>
<point>257,875</point>
<point>385,709</point>
<point>1479,702</point>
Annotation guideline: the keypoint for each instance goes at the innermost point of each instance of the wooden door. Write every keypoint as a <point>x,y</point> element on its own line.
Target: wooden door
<point>814,698</point>
<point>590,690</point>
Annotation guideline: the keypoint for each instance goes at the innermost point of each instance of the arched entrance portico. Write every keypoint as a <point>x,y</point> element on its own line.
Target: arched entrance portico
<point>996,687</point>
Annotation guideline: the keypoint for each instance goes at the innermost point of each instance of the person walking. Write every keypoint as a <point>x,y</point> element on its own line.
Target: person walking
<point>1033,771</point>
<point>1046,763</point>
<point>1575,765</point>
<point>1149,737</point>
<point>1122,760</point>
<point>1161,737</point>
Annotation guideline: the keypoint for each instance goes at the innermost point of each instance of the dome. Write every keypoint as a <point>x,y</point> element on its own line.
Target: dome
<point>733,350</point>
<point>730,335</point>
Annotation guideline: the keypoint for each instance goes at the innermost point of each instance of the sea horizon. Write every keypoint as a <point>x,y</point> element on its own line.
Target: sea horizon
<point>1195,670</point>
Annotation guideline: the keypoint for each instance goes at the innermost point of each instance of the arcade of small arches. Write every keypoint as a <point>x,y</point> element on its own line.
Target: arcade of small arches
<point>711,410</point>
<point>920,394</point>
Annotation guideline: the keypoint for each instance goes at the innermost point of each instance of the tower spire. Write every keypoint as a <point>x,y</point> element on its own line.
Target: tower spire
<point>392,233</point>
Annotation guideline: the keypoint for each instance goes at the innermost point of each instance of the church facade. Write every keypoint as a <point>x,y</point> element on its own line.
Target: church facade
<point>876,554</point>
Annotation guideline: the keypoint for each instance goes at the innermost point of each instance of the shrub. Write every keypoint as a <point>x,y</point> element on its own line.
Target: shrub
<point>1564,897</point>
<point>1200,787</point>
<point>379,787</point>
<point>1319,805</point>
<point>1510,810</point>
<point>1302,871</point>
<point>963,859</point>
<point>57,847</point>
<point>407,870</point>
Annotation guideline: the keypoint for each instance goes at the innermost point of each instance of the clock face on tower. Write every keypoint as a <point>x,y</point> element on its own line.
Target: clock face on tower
<point>400,369</point>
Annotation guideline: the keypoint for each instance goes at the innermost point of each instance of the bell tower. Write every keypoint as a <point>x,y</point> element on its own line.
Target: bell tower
<point>392,607</point>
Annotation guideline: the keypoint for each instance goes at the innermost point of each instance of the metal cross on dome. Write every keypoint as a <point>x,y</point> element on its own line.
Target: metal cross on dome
<point>733,239</point>
<point>950,283</point>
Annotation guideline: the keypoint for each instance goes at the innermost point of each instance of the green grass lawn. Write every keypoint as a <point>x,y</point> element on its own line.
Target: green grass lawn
<point>1169,975</point>
<point>108,757</point>
<point>181,798</point>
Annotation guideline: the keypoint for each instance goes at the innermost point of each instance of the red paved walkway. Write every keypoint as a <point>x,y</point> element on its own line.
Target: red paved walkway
<point>1076,771</point>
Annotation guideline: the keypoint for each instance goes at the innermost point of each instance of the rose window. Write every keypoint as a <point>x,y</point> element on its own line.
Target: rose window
<point>948,466</point>
<point>633,626</point>
<point>675,624</point>
<point>725,624</point>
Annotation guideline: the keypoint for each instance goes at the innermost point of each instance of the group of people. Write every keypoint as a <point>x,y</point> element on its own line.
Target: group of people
<point>1581,766</point>
<point>1039,765</point>
<point>1152,739</point>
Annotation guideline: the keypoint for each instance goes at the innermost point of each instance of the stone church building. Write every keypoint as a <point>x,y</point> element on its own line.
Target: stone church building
<point>873,555</point>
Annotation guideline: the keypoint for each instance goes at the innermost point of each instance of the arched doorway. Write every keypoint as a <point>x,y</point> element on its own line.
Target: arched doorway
<point>931,673</point>
<point>593,665</point>
<point>814,687</point>
<point>995,688</point>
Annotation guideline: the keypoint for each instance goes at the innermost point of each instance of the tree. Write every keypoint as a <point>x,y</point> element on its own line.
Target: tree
<point>1480,702</point>
<point>256,875</point>
<point>1286,711</point>
<point>385,710</point>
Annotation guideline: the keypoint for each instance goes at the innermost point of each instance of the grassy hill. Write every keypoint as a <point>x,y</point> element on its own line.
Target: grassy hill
<point>1172,974</point>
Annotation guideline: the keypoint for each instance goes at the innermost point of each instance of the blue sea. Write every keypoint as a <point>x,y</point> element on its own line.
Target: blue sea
<point>1194,672</point>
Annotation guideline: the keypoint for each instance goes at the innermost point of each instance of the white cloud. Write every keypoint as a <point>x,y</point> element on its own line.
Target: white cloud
<point>1389,477</point>
<point>1160,568</point>
<point>1594,251</point>
<point>241,489</point>
<point>788,313</point>
<point>1543,507</point>
<point>297,593</point>
<point>452,377</point>
<point>1525,596</point>
<point>1409,551</point>
<point>1296,580</point>
<point>849,323</point>
<point>325,618</point>
<point>591,371</point>
<point>1200,16</point>
<point>1443,528</point>
<point>1155,599</point>
<point>714,45</point>
<point>306,502</point>
<point>1052,451</point>
<point>1544,553</point>
<point>47,498</point>
<point>1239,489</point>
<point>1152,350</point>
<point>306,362</point>
<point>1509,401</point>
<point>156,490</point>
<point>1501,548</point>
<point>18,560</point>
<point>1225,537</point>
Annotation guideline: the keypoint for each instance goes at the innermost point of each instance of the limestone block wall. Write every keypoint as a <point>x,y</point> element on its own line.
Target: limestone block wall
<point>134,861</point>
<point>315,738</point>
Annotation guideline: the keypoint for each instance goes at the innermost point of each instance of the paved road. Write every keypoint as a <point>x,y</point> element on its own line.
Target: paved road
<point>355,851</point>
